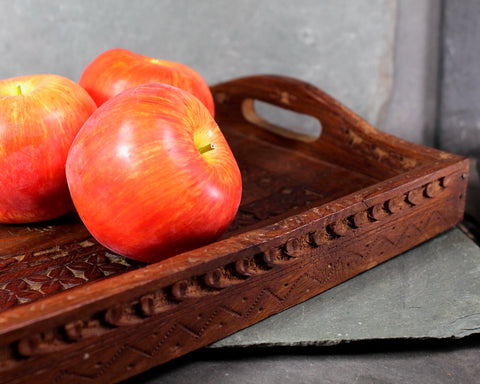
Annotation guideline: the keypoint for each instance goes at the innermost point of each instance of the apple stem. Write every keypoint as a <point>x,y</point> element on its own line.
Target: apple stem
<point>206,148</point>
<point>19,89</point>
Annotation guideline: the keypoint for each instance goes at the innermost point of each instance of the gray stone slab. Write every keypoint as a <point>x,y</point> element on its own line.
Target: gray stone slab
<point>414,366</point>
<point>431,291</point>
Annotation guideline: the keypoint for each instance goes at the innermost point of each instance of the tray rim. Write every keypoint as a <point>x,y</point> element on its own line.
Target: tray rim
<point>139,281</point>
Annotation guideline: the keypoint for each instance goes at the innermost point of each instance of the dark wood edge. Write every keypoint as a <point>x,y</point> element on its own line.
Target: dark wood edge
<point>97,296</point>
<point>301,240</point>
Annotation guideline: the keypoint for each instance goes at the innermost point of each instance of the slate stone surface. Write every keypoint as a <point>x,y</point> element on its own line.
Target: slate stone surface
<point>431,291</point>
<point>416,364</point>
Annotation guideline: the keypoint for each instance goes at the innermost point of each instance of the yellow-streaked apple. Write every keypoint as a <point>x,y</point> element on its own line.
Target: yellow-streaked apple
<point>151,174</point>
<point>117,69</point>
<point>39,117</point>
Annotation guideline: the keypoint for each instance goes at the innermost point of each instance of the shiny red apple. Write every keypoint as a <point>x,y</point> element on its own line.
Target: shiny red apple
<point>151,174</point>
<point>117,69</point>
<point>39,118</point>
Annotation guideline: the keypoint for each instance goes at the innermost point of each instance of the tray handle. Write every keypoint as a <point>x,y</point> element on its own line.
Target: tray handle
<point>238,96</point>
<point>345,139</point>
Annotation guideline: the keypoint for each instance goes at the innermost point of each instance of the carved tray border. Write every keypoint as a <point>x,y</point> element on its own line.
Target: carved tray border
<point>312,259</point>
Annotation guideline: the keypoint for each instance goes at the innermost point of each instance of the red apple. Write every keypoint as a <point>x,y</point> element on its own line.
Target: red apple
<point>116,70</point>
<point>151,174</point>
<point>39,118</point>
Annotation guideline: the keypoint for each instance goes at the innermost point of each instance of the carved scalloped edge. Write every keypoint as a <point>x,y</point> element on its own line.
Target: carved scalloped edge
<point>215,281</point>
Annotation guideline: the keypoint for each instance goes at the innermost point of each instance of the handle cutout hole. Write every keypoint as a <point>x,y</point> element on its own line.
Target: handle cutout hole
<point>282,121</point>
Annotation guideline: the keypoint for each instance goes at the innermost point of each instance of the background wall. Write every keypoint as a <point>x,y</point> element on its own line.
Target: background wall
<point>342,46</point>
<point>459,102</point>
<point>459,123</point>
<point>406,66</point>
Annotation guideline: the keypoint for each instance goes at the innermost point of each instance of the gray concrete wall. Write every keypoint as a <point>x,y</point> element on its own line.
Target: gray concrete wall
<point>345,47</point>
<point>379,57</point>
<point>459,128</point>
<point>375,56</point>
<point>459,102</point>
<point>411,112</point>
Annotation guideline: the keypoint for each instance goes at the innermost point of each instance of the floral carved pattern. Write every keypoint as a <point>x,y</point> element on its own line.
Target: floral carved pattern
<point>29,276</point>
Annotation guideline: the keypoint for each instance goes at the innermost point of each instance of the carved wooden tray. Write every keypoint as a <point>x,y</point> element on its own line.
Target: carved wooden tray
<point>313,214</point>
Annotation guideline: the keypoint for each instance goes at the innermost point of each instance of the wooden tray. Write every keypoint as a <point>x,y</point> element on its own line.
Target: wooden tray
<point>313,215</point>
